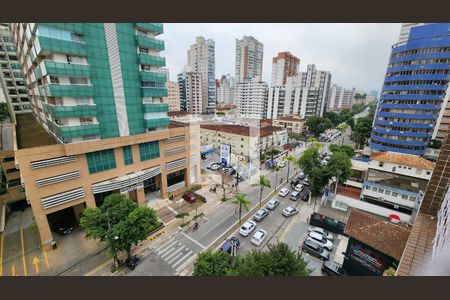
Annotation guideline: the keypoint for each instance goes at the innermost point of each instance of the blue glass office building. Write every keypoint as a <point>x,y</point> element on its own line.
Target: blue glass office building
<point>414,91</point>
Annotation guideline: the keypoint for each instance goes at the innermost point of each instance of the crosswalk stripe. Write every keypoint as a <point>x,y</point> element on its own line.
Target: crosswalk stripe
<point>171,255</point>
<point>165,244</point>
<point>173,259</point>
<point>170,250</point>
<point>181,260</point>
<point>162,249</point>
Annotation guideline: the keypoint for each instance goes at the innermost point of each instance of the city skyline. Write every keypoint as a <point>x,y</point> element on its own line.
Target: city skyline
<point>352,45</point>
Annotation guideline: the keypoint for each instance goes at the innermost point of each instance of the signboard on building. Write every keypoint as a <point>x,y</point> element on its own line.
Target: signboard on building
<point>225,154</point>
<point>132,188</point>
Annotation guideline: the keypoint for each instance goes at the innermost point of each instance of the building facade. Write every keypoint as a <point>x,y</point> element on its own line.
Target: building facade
<point>12,84</point>
<point>251,98</point>
<point>225,89</point>
<point>413,107</point>
<point>173,96</point>
<point>284,65</point>
<point>190,89</point>
<point>201,58</point>
<point>294,124</point>
<point>348,98</point>
<point>249,59</point>
<point>335,97</point>
<point>97,89</point>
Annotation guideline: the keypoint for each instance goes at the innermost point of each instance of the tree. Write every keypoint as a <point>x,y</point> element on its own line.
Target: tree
<point>278,260</point>
<point>263,182</point>
<point>347,149</point>
<point>317,125</point>
<point>362,131</point>
<point>333,117</point>
<point>181,216</point>
<point>4,112</point>
<point>242,202</point>
<point>351,122</point>
<point>311,166</point>
<point>339,165</point>
<point>358,107</point>
<point>210,263</point>
<point>295,136</point>
<point>290,159</point>
<point>277,169</point>
<point>309,160</point>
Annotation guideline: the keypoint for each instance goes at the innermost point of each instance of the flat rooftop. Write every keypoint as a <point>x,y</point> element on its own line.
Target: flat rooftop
<point>31,134</point>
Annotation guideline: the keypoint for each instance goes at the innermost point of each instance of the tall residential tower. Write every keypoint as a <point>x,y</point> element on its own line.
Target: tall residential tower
<point>284,65</point>
<point>249,59</point>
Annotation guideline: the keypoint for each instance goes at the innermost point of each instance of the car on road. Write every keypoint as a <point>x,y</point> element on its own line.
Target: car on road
<point>215,167</point>
<point>272,204</point>
<point>210,165</point>
<point>260,214</point>
<point>295,182</point>
<point>247,228</point>
<point>189,197</point>
<point>227,246</point>
<point>305,197</point>
<point>294,195</point>
<point>290,211</point>
<point>331,268</point>
<point>301,175</point>
<point>320,239</point>
<point>283,192</point>
<point>299,187</point>
<point>281,164</point>
<point>315,249</point>
<point>258,237</point>
<point>329,236</point>
<point>306,181</point>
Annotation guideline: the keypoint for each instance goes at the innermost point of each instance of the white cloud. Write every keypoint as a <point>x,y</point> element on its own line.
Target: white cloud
<point>356,54</point>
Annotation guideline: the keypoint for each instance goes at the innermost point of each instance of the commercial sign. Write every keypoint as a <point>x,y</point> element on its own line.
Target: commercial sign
<point>225,154</point>
<point>132,188</point>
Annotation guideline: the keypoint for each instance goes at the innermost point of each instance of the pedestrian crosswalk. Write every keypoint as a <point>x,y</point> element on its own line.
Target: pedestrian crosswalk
<point>175,253</point>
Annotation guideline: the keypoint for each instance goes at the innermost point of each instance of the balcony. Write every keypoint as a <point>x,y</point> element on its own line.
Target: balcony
<point>156,107</point>
<point>152,60</point>
<point>67,90</point>
<point>417,67</point>
<point>66,69</point>
<point>407,116</point>
<point>154,92</point>
<point>48,45</point>
<point>393,149</point>
<point>403,124</point>
<point>417,77</point>
<point>409,106</point>
<point>71,111</point>
<point>399,142</point>
<point>149,42</point>
<point>416,87</point>
<point>156,28</point>
<point>412,97</point>
<point>73,27</point>
<point>161,122</point>
<point>153,76</point>
<point>64,132</point>
<point>402,133</point>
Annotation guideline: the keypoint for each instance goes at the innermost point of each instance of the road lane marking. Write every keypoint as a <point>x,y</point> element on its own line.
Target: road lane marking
<point>182,259</point>
<point>1,255</point>
<point>45,255</point>
<point>164,244</point>
<point>161,251</point>
<point>218,224</point>
<point>23,248</point>
<point>174,258</point>
<point>36,264</point>
<point>173,253</point>
<point>170,251</point>
<point>171,209</point>
<point>185,264</point>
<point>197,243</point>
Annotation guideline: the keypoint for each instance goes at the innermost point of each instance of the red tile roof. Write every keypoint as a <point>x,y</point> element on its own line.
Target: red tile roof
<point>377,232</point>
<point>225,106</point>
<point>403,159</point>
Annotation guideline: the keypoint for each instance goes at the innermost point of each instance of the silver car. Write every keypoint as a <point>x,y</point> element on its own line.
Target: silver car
<point>260,214</point>
<point>321,240</point>
<point>326,234</point>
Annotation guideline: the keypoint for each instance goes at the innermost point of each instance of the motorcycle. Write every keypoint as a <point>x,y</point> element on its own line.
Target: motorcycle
<point>133,262</point>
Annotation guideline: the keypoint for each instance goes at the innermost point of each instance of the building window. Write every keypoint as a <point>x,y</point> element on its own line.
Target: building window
<point>101,160</point>
<point>428,172</point>
<point>381,191</point>
<point>380,164</point>
<point>411,198</point>
<point>405,197</point>
<point>127,155</point>
<point>149,150</point>
<point>368,187</point>
<point>394,194</point>
<point>387,192</point>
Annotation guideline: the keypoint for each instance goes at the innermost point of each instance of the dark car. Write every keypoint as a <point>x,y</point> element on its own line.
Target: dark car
<point>227,246</point>
<point>189,197</point>
<point>295,182</point>
<point>315,250</point>
<point>331,268</point>
<point>63,228</point>
<point>305,197</point>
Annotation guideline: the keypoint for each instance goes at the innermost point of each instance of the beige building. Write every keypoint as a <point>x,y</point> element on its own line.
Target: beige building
<point>284,65</point>
<point>293,124</point>
<point>173,97</point>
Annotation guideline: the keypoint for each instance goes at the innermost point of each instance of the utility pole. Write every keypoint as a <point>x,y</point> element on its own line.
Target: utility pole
<point>233,253</point>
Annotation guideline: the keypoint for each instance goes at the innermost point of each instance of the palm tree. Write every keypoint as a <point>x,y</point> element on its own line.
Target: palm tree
<point>263,182</point>
<point>290,159</point>
<point>241,201</point>
<point>315,143</point>
<point>277,169</point>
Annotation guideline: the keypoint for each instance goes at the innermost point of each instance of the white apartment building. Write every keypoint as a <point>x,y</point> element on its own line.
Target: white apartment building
<point>249,58</point>
<point>190,89</point>
<point>173,96</point>
<point>335,97</point>
<point>284,65</point>
<point>251,98</point>
<point>348,98</point>
<point>225,89</point>
<point>201,58</point>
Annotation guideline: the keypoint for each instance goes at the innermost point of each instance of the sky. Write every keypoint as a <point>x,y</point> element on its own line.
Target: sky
<point>355,54</point>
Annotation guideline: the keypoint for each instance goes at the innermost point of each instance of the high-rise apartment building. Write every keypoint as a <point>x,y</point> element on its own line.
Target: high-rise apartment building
<point>98,90</point>
<point>348,98</point>
<point>173,96</point>
<point>413,107</point>
<point>12,85</point>
<point>284,65</point>
<point>201,58</point>
<point>251,98</point>
<point>225,89</point>
<point>321,80</point>
<point>190,89</point>
<point>405,30</point>
<point>249,59</point>
<point>335,97</point>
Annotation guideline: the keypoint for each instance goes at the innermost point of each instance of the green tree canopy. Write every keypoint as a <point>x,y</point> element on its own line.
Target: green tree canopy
<point>317,125</point>
<point>362,131</point>
<point>339,165</point>
<point>347,149</point>
<point>333,117</point>
<point>309,160</point>
<point>210,263</point>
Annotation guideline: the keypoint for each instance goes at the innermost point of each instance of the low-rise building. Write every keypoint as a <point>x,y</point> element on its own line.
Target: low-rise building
<point>292,123</point>
<point>228,110</point>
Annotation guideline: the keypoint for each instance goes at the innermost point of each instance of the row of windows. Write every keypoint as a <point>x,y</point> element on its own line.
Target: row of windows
<point>405,120</point>
<point>153,84</point>
<point>420,62</point>
<point>407,111</point>
<point>422,51</point>
<point>418,72</point>
<point>431,102</point>
<point>398,138</point>
<point>389,193</point>
<point>412,92</point>
<point>415,82</point>
<point>397,146</point>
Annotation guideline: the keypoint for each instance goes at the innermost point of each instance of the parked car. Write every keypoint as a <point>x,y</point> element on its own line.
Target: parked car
<point>283,192</point>
<point>295,182</point>
<point>258,237</point>
<point>299,187</point>
<point>282,164</point>
<point>305,197</point>
<point>272,204</point>
<point>301,175</point>
<point>329,236</point>
<point>315,249</point>
<point>331,268</point>
<point>189,197</point>
<point>215,167</point>
<point>290,211</point>
<point>306,181</point>
<point>227,246</point>
<point>294,195</point>
<point>321,240</point>
<point>210,165</point>
<point>247,228</point>
<point>260,214</point>
<point>63,228</point>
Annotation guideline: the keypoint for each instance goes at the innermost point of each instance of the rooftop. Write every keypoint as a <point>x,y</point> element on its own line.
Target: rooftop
<point>31,134</point>
<point>225,106</point>
<point>403,159</point>
<point>291,118</point>
<point>178,113</point>
<point>377,232</point>
<point>242,130</point>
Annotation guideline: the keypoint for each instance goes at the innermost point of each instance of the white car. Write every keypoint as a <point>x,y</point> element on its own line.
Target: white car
<point>323,232</point>
<point>321,240</point>
<point>247,228</point>
<point>306,181</point>
<point>301,175</point>
<point>290,211</point>
<point>272,204</point>
<point>299,187</point>
<point>282,164</point>
<point>215,167</point>
<point>258,237</point>
<point>283,192</point>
